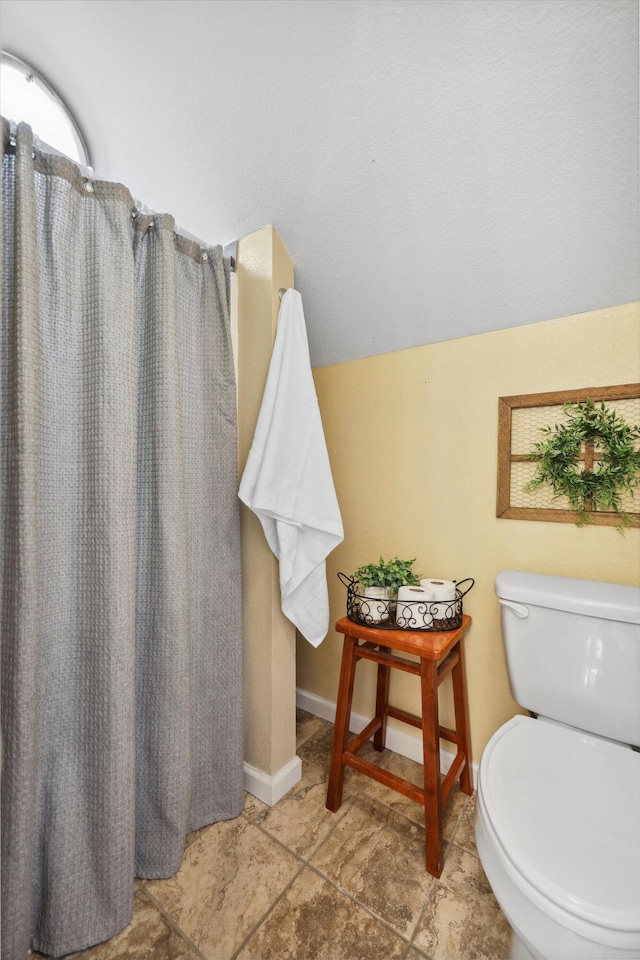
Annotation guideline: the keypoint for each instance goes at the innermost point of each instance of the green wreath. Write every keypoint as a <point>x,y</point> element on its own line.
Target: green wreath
<point>617,471</point>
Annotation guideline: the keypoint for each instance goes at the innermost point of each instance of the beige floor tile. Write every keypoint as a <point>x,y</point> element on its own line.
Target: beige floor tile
<point>414,954</point>
<point>462,918</point>
<point>300,820</point>
<point>254,809</point>
<point>465,834</point>
<point>309,726</point>
<point>314,921</point>
<point>317,750</point>
<point>230,876</point>
<point>377,856</point>
<point>235,873</point>
<point>148,937</point>
<point>193,836</point>
<point>410,770</point>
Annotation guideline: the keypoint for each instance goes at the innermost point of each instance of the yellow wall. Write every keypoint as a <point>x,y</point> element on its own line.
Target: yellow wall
<point>412,438</point>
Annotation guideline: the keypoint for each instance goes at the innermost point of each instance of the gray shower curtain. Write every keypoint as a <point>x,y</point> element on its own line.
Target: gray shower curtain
<point>121,645</point>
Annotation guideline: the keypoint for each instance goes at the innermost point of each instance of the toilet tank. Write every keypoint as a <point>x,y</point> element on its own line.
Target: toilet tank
<point>573,651</point>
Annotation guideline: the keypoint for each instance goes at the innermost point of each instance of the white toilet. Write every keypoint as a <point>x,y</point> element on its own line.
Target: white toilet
<point>558,800</point>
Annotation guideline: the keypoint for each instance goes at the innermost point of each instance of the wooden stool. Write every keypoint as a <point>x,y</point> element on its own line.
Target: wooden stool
<point>440,654</point>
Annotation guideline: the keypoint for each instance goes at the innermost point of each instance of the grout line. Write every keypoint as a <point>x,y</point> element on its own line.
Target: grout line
<point>280,843</point>
<point>270,910</point>
<point>432,890</point>
<point>369,783</point>
<point>305,860</point>
<point>358,903</point>
<point>305,863</point>
<point>454,842</point>
<point>419,951</point>
<point>172,923</point>
<point>414,823</point>
<point>346,893</point>
<point>362,794</point>
<point>259,923</point>
<point>459,821</point>
<point>458,846</point>
<point>311,735</point>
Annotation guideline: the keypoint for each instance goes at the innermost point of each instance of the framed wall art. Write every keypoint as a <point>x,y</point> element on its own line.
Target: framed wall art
<point>585,444</point>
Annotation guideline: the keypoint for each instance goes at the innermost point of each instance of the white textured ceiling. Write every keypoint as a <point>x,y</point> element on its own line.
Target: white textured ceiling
<point>436,168</point>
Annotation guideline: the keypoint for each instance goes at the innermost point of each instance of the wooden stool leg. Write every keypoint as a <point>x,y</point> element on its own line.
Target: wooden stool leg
<point>431,754</point>
<point>341,729</point>
<point>462,720</point>
<point>382,700</point>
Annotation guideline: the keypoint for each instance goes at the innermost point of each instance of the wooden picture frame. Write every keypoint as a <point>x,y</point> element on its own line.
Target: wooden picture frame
<point>536,410</point>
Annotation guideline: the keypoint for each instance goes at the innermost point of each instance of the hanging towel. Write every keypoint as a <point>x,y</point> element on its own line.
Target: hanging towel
<point>287,480</point>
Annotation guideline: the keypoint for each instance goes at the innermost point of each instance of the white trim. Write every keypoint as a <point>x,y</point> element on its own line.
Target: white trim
<point>270,789</point>
<point>397,740</point>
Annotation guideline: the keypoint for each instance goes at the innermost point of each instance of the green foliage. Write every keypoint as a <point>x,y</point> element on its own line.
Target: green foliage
<point>387,573</point>
<point>602,487</point>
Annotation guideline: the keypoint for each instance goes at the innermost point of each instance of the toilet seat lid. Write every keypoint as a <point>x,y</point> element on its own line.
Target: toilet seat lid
<point>577,842</point>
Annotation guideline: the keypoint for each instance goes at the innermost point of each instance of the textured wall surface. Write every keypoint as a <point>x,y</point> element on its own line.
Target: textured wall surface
<point>269,638</point>
<point>436,169</point>
<point>412,438</point>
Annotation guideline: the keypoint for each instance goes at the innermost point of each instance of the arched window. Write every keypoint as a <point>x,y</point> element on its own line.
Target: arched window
<point>26,95</point>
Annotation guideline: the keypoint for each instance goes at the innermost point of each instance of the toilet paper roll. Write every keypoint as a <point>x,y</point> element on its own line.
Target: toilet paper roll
<point>415,593</point>
<point>413,608</point>
<point>442,589</point>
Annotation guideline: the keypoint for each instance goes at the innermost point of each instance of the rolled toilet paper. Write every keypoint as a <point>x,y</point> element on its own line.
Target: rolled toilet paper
<point>444,595</point>
<point>415,593</point>
<point>413,608</point>
<point>441,589</point>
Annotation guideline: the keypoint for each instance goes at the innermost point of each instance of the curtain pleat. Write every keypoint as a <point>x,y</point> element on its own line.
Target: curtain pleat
<point>121,645</point>
<point>164,733</point>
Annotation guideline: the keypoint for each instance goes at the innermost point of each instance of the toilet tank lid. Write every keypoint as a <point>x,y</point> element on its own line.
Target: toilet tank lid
<point>593,598</point>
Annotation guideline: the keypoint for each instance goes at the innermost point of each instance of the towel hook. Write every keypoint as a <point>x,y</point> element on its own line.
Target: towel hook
<point>281,293</point>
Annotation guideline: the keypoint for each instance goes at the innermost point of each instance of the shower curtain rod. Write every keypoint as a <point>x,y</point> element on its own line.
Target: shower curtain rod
<point>230,250</point>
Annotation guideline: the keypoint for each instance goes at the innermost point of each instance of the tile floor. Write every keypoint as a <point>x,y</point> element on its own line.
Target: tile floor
<point>295,882</point>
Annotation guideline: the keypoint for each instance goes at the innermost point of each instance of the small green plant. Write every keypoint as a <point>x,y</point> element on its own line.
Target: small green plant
<point>616,472</point>
<point>387,573</point>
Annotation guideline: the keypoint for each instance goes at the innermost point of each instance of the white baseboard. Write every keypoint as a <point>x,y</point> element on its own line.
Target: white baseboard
<point>270,789</point>
<point>397,740</point>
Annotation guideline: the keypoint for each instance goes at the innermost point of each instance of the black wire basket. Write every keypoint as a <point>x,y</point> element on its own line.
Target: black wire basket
<point>393,614</point>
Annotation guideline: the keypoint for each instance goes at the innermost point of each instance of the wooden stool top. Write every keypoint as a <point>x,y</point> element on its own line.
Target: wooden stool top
<point>429,644</point>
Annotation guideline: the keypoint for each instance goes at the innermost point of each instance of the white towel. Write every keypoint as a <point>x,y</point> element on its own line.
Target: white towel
<point>287,480</point>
